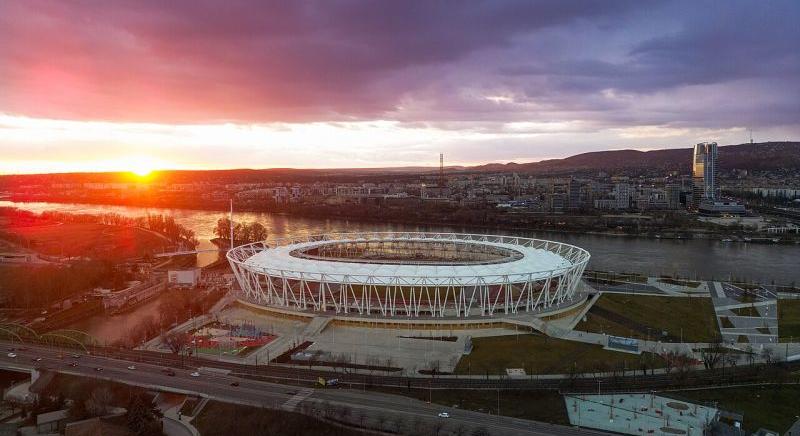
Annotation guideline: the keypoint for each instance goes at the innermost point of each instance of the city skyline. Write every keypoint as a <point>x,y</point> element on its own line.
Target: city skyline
<point>142,86</point>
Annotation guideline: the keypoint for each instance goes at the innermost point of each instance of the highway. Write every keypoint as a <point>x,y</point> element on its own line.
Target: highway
<point>377,407</point>
<point>588,383</point>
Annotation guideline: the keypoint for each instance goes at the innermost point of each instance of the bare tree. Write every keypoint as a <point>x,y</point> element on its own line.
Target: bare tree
<point>435,366</point>
<point>328,410</point>
<point>750,354</point>
<point>712,355</point>
<point>418,427</point>
<point>683,363</point>
<point>362,417</point>
<point>732,359</point>
<point>381,420</point>
<point>398,424</point>
<point>345,413</point>
<point>481,431</point>
<point>669,360</point>
<point>436,427</point>
<point>177,343</point>
<point>99,402</point>
<point>767,355</point>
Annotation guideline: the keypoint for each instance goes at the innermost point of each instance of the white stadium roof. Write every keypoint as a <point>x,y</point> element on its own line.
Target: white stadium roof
<point>535,263</point>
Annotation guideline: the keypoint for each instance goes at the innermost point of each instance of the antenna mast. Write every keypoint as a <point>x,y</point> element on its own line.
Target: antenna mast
<point>441,170</point>
<point>231,221</point>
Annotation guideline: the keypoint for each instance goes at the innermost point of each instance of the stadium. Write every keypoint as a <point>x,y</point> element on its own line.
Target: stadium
<point>408,275</point>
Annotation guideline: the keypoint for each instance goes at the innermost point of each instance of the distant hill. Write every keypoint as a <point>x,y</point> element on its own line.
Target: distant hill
<point>758,156</point>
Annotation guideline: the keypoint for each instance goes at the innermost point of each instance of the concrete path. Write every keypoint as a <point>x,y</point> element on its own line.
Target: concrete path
<point>758,328</point>
<point>173,424</point>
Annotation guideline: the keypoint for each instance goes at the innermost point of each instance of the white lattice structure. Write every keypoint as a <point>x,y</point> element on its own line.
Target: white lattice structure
<point>394,274</point>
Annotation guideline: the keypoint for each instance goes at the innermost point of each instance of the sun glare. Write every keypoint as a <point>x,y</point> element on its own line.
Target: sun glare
<point>141,167</point>
<point>142,172</point>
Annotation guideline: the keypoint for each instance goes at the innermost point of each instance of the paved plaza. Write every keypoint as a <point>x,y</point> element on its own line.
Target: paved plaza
<point>745,316</point>
<point>409,349</point>
<point>639,414</point>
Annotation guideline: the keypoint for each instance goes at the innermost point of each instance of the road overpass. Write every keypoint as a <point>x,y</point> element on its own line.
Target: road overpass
<point>218,386</point>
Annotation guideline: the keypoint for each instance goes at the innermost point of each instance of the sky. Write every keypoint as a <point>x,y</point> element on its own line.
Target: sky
<point>195,84</point>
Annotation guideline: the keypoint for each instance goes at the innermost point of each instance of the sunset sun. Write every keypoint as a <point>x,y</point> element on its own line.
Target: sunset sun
<point>142,172</point>
<point>140,166</point>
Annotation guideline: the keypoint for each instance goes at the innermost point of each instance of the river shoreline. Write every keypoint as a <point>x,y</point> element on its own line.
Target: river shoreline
<point>688,234</point>
<point>695,258</point>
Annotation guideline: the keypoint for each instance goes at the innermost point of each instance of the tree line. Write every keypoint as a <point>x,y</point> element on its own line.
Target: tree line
<point>243,232</point>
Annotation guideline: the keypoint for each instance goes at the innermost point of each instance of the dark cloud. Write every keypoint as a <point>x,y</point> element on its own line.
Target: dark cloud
<point>602,62</point>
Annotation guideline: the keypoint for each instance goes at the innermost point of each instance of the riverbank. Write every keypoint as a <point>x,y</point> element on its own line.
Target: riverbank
<point>668,232</point>
<point>696,259</point>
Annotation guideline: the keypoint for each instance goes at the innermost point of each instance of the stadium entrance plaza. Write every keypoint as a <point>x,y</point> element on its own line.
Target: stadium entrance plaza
<point>378,346</point>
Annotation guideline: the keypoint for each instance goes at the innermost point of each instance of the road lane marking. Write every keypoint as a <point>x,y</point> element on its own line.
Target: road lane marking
<point>297,398</point>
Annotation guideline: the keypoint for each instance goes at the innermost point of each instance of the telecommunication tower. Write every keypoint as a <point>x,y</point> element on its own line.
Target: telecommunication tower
<point>441,170</point>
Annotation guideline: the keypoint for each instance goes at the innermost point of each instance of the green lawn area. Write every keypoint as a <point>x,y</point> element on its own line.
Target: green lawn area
<point>773,407</point>
<point>746,311</point>
<point>789,319</point>
<point>223,419</point>
<point>726,323</point>
<point>688,317</point>
<point>539,354</point>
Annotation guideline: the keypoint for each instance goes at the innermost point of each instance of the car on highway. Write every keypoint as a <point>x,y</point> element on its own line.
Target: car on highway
<point>73,364</point>
<point>234,384</point>
<point>195,374</point>
<point>76,356</point>
<point>98,369</point>
<point>444,415</point>
<point>12,355</point>
<point>169,372</point>
<point>132,367</point>
<point>37,359</point>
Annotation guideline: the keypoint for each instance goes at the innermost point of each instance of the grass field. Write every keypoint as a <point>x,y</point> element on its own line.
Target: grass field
<point>746,311</point>
<point>692,319</point>
<point>789,319</point>
<point>85,239</point>
<point>772,407</point>
<point>223,419</point>
<point>542,355</point>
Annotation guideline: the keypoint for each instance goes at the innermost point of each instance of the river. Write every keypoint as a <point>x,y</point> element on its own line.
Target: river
<point>699,258</point>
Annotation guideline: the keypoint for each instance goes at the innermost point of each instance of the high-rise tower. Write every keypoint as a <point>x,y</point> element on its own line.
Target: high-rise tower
<point>704,173</point>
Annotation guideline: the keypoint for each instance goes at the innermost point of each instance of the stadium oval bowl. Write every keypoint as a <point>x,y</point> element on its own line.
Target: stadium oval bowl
<point>410,275</point>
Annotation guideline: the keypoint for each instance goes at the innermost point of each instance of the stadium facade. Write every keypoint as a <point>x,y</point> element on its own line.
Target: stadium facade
<point>410,275</point>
